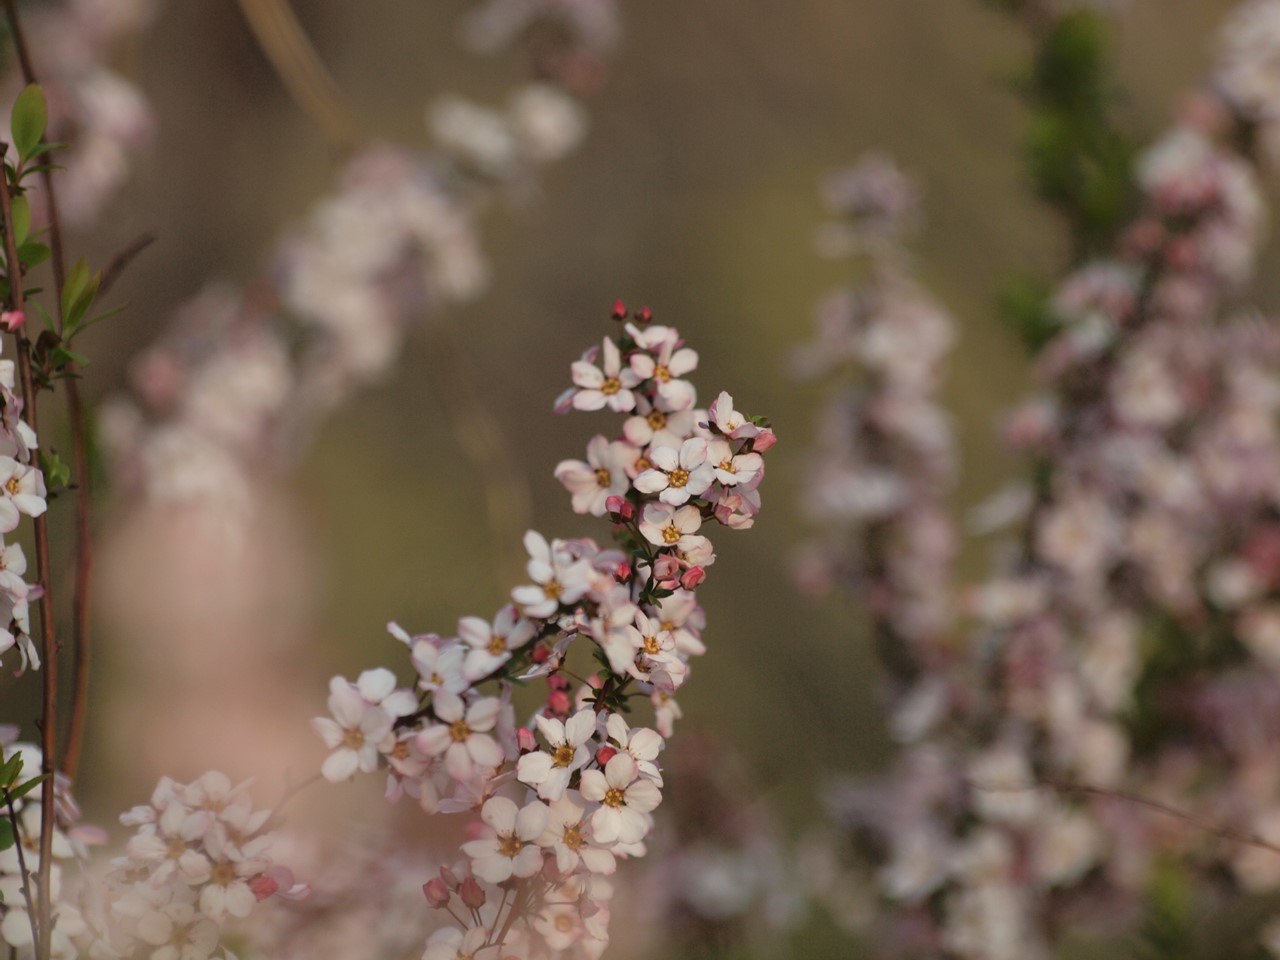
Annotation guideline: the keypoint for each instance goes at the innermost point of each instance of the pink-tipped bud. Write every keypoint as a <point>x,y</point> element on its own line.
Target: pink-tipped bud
<point>620,509</point>
<point>692,577</point>
<point>12,319</point>
<point>525,740</point>
<point>437,893</point>
<point>558,703</point>
<point>263,886</point>
<point>472,894</point>
<point>622,572</point>
<point>666,568</point>
<point>644,316</point>
<point>448,876</point>
<point>541,653</point>
<point>605,754</point>
<point>763,440</point>
<point>558,682</point>
<point>619,310</point>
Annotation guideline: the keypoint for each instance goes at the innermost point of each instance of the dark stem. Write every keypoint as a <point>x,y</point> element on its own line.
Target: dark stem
<point>49,643</point>
<point>80,457</point>
<point>22,871</point>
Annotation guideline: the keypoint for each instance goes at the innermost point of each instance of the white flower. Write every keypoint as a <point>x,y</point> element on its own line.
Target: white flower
<point>559,578</point>
<point>730,422</point>
<point>440,668</point>
<point>733,469</point>
<point>670,363</point>
<point>642,744</point>
<point>450,943</point>
<point>625,801</point>
<point>491,644</point>
<point>510,850</point>
<point>677,475</point>
<point>603,475</point>
<point>462,735</point>
<point>354,734</point>
<point>568,835</point>
<point>550,772</point>
<point>22,492</point>
<point>607,385</point>
<point>661,428</point>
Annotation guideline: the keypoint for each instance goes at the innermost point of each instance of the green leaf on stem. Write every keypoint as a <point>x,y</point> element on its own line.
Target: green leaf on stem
<point>30,117</point>
<point>9,771</point>
<point>21,220</point>
<point>20,791</point>
<point>33,253</point>
<point>7,838</point>
<point>57,474</point>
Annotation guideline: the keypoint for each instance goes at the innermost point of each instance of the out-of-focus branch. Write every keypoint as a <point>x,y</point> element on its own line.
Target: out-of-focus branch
<point>285,44</point>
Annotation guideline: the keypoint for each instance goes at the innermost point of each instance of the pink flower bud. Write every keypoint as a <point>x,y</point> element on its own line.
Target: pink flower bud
<point>437,893</point>
<point>622,572</point>
<point>692,577</point>
<point>605,754</point>
<point>448,876</point>
<point>12,319</point>
<point>472,893</point>
<point>525,740</point>
<point>558,703</point>
<point>619,310</point>
<point>541,653</point>
<point>765,439</point>
<point>644,316</point>
<point>620,509</point>
<point>263,886</point>
<point>667,567</point>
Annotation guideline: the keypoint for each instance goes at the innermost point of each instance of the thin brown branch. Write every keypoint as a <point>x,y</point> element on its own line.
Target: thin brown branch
<point>80,455</point>
<point>1219,830</point>
<point>23,872</point>
<point>120,262</point>
<point>285,44</point>
<point>49,642</point>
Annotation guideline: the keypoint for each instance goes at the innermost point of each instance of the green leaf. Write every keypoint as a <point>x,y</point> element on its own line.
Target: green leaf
<point>74,287</point>
<point>30,116</point>
<point>20,791</point>
<point>6,834</point>
<point>10,769</point>
<point>33,253</point>
<point>57,475</point>
<point>21,220</point>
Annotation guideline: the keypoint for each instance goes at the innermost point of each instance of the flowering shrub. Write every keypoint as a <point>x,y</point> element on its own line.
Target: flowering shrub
<point>563,797</point>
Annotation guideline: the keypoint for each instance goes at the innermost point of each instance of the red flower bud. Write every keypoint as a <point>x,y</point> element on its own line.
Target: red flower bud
<point>437,893</point>
<point>541,653</point>
<point>619,310</point>
<point>263,886</point>
<point>525,740</point>
<point>558,703</point>
<point>644,316</point>
<point>605,754</point>
<point>12,319</point>
<point>472,893</point>
<point>620,509</point>
<point>692,577</point>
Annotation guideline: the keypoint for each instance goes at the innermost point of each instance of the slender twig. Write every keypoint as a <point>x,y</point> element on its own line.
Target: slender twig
<point>49,713</point>
<point>23,872</point>
<point>285,44</point>
<point>116,266</point>
<point>80,453</point>
<point>1220,830</point>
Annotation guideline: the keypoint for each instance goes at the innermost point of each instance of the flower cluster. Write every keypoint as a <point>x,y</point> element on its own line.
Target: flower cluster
<point>242,377</point>
<point>20,862</point>
<point>1125,643</point>
<point>22,493</point>
<point>198,860</point>
<point>562,798</point>
<point>99,113</point>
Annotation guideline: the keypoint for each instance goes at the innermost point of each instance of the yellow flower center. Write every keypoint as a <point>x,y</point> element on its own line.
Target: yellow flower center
<point>401,750</point>
<point>642,464</point>
<point>670,534</point>
<point>223,874</point>
<point>651,645</point>
<point>497,645</point>
<point>552,589</point>
<point>175,848</point>
<point>564,922</point>
<point>602,477</point>
<point>656,420</point>
<point>611,386</point>
<point>727,465</point>
<point>459,731</point>
<point>12,485</point>
<point>661,373</point>
<point>678,477</point>
<point>614,797</point>
<point>509,845</point>
<point>353,739</point>
<point>573,836</point>
<point>563,755</point>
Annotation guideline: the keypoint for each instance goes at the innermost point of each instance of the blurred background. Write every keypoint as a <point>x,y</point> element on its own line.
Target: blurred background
<point>695,193</point>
